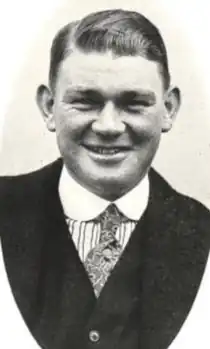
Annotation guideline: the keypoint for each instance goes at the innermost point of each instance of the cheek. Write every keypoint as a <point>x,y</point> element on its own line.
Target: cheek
<point>145,126</point>
<point>70,123</point>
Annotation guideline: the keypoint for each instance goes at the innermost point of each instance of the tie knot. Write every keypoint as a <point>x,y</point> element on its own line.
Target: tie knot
<point>111,213</point>
<point>111,218</point>
<point>111,210</point>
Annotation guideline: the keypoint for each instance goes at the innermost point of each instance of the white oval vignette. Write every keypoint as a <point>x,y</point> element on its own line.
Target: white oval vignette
<point>184,155</point>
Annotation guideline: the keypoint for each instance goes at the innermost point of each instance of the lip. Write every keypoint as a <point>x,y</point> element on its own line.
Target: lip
<point>103,153</point>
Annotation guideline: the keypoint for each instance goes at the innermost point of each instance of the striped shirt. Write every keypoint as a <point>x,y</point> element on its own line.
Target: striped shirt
<point>86,234</point>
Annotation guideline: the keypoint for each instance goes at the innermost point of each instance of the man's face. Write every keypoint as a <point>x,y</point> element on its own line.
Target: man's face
<point>108,115</point>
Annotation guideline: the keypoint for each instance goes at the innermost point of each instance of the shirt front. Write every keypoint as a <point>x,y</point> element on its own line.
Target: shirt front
<point>82,207</point>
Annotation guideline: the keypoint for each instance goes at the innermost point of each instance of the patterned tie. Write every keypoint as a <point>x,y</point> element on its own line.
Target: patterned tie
<point>101,259</point>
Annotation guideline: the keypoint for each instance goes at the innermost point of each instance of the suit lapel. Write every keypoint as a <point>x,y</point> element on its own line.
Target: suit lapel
<point>169,279</point>
<point>47,278</point>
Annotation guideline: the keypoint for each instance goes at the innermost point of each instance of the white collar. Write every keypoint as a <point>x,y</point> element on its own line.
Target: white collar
<point>80,204</point>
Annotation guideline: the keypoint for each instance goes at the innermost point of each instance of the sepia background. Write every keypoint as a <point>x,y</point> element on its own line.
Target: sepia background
<point>184,154</point>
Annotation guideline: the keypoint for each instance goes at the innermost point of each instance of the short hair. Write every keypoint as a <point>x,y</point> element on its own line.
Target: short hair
<point>120,31</point>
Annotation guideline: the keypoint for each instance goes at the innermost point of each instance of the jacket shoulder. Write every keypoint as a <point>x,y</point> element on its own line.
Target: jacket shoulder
<point>183,203</point>
<point>11,182</point>
<point>18,193</point>
<point>189,215</point>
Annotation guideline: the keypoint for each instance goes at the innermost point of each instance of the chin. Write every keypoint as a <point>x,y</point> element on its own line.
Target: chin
<point>111,188</point>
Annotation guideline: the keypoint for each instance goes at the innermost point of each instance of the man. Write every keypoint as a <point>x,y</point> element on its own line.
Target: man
<point>100,251</point>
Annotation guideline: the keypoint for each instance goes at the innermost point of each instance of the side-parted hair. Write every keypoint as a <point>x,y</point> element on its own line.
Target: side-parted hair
<point>122,32</point>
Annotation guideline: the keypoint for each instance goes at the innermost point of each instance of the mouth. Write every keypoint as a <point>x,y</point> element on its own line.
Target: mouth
<point>106,151</point>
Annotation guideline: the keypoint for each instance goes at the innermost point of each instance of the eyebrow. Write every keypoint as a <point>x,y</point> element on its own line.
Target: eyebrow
<point>93,94</point>
<point>99,93</point>
<point>139,94</point>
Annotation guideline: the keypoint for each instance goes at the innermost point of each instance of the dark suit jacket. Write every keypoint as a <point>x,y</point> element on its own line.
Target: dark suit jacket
<point>149,293</point>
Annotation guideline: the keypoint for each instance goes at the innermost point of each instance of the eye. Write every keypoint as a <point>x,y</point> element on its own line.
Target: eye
<point>137,105</point>
<point>86,104</point>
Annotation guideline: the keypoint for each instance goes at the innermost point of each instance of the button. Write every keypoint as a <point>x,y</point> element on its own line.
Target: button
<point>94,336</point>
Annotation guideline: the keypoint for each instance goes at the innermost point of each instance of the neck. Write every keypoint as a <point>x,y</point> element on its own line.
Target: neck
<point>109,191</point>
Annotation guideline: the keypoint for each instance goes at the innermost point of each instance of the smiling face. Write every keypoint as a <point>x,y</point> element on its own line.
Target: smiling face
<point>108,113</point>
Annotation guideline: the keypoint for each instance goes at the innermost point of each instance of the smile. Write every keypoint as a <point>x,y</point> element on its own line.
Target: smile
<point>106,150</point>
<point>107,154</point>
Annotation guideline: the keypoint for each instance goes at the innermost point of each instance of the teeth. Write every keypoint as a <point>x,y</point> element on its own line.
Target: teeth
<point>105,150</point>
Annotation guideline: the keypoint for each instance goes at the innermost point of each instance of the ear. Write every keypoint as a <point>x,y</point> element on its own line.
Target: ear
<point>44,99</point>
<point>172,105</point>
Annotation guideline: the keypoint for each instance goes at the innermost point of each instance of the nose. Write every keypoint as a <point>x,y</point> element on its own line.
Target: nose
<point>108,122</point>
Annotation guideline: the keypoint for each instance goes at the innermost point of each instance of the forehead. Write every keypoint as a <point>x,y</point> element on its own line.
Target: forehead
<point>107,72</point>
